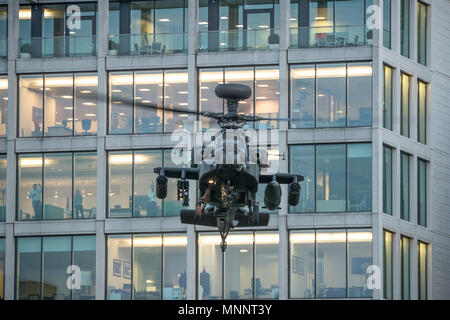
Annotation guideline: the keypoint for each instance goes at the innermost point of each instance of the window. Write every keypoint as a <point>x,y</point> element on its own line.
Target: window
<point>264,101</point>
<point>387,97</point>
<point>405,104</point>
<point>422,16</point>
<point>238,25</point>
<point>330,263</point>
<point>422,112</point>
<point>422,192</point>
<point>331,95</point>
<point>405,267</point>
<point>338,177</point>
<point>48,105</point>
<point>422,257</point>
<point>322,23</point>
<point>132,184</point>
<point>3,167</point>
<point>148,27</point>
<point>387,24</point>
<point>146,267</point>
<point>44,31</point>
<point>64,182</point>
<point>247,270</point>
<point>387,265</point>
<point>3,104</point>
<point>149,97</point>
<point>2,268</point>
<point>404,27</point>
<point>4,31</point>
<point>42,265</point>
<point>387,180</point>
<point>405,186</point>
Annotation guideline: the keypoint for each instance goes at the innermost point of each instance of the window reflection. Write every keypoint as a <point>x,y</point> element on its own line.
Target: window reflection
<point>387,97</point>
<point>405,186</point>
<point>4,30</point>
<point>405,104</point>
<point>422,112</point>
<point>47,104</point>
<point>303,86</point>
<point>121,99</point>
<point>387,180</point>
<point>30,187</point>
<point>148,91</point>
<point>331,178</point>
<point>175,96</point>
<point>302,264</point>
<point>250,266</point>
<point>42,265</point>
<point>405,267</point>
<point>120,183</point>
<point>387,265</point>
<point>331,95</point>
<point>302,159</point>
<point>2,268</point>
<point>146,267</point>
<point>267,91</point>
<point>58,186</point>
<point>47,178</point>
<point>422,16</point>
<point>359,259</point>
<point>3,104</point>
<point>145,201</point>
<point>359,166</point>
<point>3,167</point>
<point>208,101</point>
<point>422,192</point>
<point>423,269</point>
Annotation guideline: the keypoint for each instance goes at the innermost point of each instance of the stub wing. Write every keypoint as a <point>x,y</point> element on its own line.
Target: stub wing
<point>282,178</point>
<point>189,173</point>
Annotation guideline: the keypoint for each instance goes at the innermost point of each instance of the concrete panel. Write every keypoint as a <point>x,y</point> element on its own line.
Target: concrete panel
<point>146,62</point>
<point>56,65</point>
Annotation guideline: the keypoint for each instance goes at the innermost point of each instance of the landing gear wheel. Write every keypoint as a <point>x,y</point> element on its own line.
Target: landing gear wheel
<point>255,214</point>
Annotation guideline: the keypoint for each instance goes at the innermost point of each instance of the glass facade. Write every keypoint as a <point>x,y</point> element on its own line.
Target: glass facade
<point>405,105</point>
<point>330,263</point>
<point>132,184</point>
<point>146,267</point>
<point>3,31</point>
<point>331,95</point>
<point>422,257</point>
<point>148,97</point>
<point>247,270</point>
<point>387,180</point>
<point>388,267</point>
<point>422,111</point>
<point>338,177</point>
<point>404,27</point>
<point>3,167</point>
<point>404,186</point>
<point>50,30</point>
<point>387,23</point>
<point>147,27</point>
<point>324,23</point>
<point>405,266</point>
<point>57,105</point>
<point>54,186</point>
<point>422,192</point>
<point>387,97</point>
<point>264,101</point>
<point>43,265</point>
<point>230,25</point>
<point>2,268</point>
<point>3,104</point>
<point>422,16</point>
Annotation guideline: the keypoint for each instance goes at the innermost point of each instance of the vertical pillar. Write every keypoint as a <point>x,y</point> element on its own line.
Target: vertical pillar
<point>102,50</point>
<point>11,130</point>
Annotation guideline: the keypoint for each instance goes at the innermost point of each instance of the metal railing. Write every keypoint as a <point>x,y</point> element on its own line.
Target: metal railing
<point>60,46</point>
<point>238,40</point>
<point>150,43</point>
<point>330,36</point>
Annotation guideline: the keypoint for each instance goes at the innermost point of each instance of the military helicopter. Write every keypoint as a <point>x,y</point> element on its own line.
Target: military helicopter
<point>228,188</point>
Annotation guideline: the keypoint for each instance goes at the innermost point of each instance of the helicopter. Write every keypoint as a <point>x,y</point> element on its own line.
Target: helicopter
<point>228,188</point>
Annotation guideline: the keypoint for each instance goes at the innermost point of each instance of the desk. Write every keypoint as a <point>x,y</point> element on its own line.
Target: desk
<point>59,131</point>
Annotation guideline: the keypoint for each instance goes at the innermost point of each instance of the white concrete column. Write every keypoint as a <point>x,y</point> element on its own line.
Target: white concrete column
<point>191,256</point>
<point>102,188</point>
<point>11,130</point>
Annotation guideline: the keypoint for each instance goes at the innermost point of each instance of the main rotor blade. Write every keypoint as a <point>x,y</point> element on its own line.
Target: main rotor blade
<point>258,118</point>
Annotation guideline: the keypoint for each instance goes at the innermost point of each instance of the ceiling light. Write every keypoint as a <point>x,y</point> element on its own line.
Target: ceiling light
<point>5,98</point>
<point>183,104</point>
<point>182,92</point>
<point>144,89</point>
<point>66,97</point>
<point>90,115</point>
<point>224,18</point>
<point>91,103</point>
<point>85,91</point>
<point>261,98</point>
<point>203,23</point>
<point>116,90</point>
<point>164,20</point>
<point>262,85</point>
<point>146,101</point>
<point>263,27</point>
<point>243,250</point>
<point>68,108</point>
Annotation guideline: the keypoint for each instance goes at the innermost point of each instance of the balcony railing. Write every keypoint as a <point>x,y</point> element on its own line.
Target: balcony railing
<point>332,36</point>
<point>63,46</point>
<point>150,43</point>
<point>3,48</point>
<point>238,40</point>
